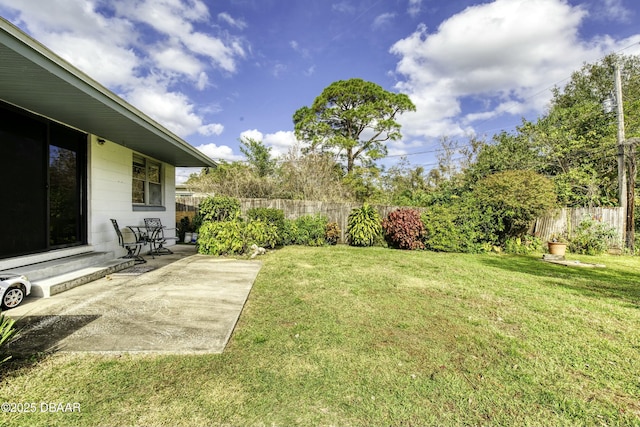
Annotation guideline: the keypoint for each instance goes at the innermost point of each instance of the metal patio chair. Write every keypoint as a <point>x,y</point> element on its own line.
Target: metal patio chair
<point>133,248</point>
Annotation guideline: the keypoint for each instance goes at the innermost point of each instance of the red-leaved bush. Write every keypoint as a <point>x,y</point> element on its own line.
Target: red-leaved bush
<point>403,229</point>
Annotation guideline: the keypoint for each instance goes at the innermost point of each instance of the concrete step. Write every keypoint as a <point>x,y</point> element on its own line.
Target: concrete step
<point>47,287</point>
<point>58,266</point>
<point>52,277</point>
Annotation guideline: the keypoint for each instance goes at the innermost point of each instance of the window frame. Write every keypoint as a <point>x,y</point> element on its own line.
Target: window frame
<point>151,167</point>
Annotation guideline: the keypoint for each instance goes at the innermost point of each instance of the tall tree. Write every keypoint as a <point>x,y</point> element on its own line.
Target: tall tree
<point>352,118</point>
<point>574,143</point>
<point>578,137</point>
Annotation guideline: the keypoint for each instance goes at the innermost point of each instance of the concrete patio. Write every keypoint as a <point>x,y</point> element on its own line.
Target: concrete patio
<point>183,303</point>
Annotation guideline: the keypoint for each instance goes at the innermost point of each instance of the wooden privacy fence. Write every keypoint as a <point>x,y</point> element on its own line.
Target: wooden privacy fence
<point>562,221</point>
<point>335,212</point>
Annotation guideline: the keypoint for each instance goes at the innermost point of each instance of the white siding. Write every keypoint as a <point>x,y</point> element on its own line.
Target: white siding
<point>109,195</point>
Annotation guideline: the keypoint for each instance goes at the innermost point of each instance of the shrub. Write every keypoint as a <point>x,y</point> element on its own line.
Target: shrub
<point>332,233</point>
<point>307,230</point>
<point>260,233</point>
<point>441,233</point>
<point>235,237</point>
<point>6,332</point>
<point>510,201</point>
<point>363,226</point>
<point>452,229</point>
<point>310,230</point>
<point>523,245</point>
<point>218,208</point>
<point>403,229</point>
<point>289,232</point>
<point>221,238</point>
<point>592,237</point>
<point>270,216</point>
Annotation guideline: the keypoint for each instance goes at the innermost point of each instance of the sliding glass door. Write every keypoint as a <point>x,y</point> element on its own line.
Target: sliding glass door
<point>42,184</point>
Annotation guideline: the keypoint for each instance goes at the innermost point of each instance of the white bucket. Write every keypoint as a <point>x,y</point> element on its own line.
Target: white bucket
<point>194,237</point>
<point>187,237</point>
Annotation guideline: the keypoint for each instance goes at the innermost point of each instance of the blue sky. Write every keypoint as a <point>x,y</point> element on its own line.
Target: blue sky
<point>214,71</point>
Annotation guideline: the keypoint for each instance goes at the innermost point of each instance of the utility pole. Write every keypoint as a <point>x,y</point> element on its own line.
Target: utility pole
<point>631,195</point>
<point>622,176</point>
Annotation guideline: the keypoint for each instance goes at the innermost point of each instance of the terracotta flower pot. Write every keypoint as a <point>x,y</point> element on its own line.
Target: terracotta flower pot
<point>557,248</point>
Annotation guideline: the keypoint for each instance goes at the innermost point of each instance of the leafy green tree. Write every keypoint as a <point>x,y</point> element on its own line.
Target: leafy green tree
<point>574,143</point>
<point>505,152</point>
<point>258,156</point>
<point>578,136</point>
<point>510,201</point>
<point>353,118</point>
<point>404,185</point>
<point>364,183</point>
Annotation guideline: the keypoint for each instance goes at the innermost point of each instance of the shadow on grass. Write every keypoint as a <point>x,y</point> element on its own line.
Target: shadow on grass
<point>593,282</point>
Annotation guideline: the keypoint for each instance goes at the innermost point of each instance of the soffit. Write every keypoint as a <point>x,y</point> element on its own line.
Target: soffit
<point>34,78</point>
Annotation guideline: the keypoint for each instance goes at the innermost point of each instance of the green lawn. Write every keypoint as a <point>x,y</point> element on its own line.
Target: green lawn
<point>372,336</point>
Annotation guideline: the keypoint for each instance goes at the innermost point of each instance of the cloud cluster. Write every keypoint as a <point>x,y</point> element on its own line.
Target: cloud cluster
<point>506,53</point>
<point>280,142</point>
<point>144,49</point>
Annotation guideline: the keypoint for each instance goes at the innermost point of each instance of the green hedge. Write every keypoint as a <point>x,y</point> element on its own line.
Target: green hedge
<point>235,237</point>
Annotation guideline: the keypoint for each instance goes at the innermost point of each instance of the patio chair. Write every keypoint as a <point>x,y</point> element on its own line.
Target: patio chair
<point>156,236</point>
<point>133,248</point>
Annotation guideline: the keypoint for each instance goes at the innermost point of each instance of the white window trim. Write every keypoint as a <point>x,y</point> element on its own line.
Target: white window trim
<point>146,205</point>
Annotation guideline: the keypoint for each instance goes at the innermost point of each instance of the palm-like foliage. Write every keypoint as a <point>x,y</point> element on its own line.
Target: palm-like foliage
<point>364,226</point>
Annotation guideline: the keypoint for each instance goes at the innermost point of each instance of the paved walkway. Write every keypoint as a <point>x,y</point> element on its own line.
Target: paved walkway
<point>188,304</point>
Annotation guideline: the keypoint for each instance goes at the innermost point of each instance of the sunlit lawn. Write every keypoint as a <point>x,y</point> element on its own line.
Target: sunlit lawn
<point>372,336</point>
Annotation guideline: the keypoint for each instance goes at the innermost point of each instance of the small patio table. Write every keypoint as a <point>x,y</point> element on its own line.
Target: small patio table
<point>144,234</point>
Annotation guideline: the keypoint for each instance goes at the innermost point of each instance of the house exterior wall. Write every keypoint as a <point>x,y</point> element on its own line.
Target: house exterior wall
<point>110,194</point>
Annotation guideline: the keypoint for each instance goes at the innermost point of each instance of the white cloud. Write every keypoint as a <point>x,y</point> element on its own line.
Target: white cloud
<point>211,129</point>
<point>203,81</point>
<point>414,8</point>
<point>219,152</point>
<point>215,152</point>
<point>343,7</point>
<point>302,51</point>
<point>507,52</point>
<point>310,71</point>
<point>172,109</point>
<point>612,10</point>
<point>109,64</point>
<point>117,49</point>
<point>280,142</point>
<point>237,23</point>
<point>382,20</point>
<point>223,55</point>
<point>183,174</point>
<point>278,69</point>
<point>176,59</point>
<point>171,17</point>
